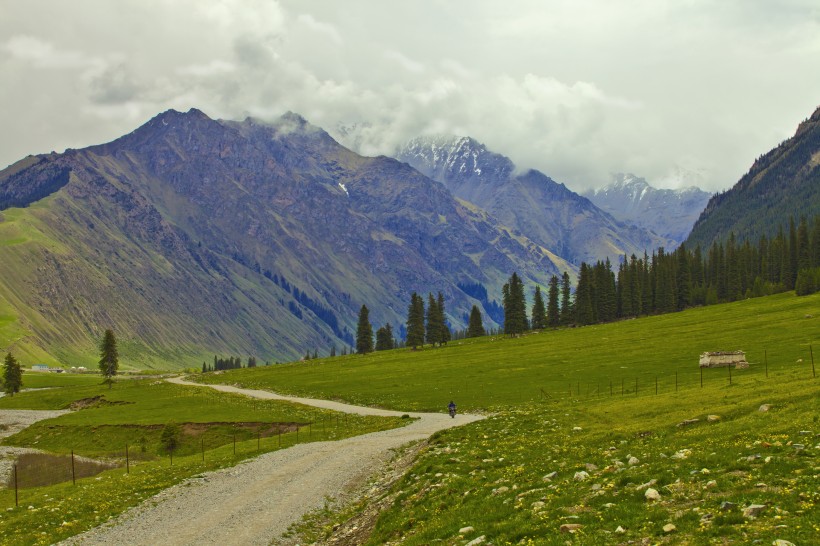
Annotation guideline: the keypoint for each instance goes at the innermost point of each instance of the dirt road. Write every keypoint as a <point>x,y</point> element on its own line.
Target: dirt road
<point>255,501</point>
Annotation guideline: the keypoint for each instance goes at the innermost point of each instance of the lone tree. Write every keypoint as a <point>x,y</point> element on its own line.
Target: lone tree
<point>364,332</point>
<point>476,327</point>
<point>170,437</point>
<point>12,375</point>
<point>109,357</point>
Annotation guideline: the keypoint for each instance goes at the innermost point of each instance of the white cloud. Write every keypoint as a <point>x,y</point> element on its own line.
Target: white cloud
<point>577,89</point>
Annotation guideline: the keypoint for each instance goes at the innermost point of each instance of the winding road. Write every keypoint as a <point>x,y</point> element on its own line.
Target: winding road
<point>256,501</point>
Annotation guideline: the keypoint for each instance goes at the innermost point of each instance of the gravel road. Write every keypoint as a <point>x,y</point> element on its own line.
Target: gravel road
<point>256,501</point>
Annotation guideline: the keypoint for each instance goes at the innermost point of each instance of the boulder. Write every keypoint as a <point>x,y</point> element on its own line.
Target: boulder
<point>652,494</point>
<point>753,510</point>
<point>466,530</point>
<point>570,527</point>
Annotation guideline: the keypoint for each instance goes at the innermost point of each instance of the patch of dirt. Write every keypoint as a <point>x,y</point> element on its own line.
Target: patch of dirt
<point>94,402</point>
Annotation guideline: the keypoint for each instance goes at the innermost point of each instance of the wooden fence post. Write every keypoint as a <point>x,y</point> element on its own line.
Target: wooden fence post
<point>127,462</point>
<point>16,503</point>
<point>73,474</point>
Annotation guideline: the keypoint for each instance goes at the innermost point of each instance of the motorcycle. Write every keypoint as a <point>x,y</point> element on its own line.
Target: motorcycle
<point>453,413</point>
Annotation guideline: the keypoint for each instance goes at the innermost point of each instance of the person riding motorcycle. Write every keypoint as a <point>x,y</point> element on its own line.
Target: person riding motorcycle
<point>452,408</point>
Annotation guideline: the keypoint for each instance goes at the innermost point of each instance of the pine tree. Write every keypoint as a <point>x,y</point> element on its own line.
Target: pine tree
<point>384,338</point>
<point>583,297</point>
<point>803,245</point>
<point>333,350</point>
<point>444,331</point>
<point>433,331</point>
<point>515,310</point>
<point>364,332</point>
<point>415,322</point>
<point>476,327</point>
<point>539,311</point>
<point>109,357</point>
<point>204,367</point>
<point>683,278</point>
<point>566,305</point>
<point>553,313</point>
<point>12,375</point>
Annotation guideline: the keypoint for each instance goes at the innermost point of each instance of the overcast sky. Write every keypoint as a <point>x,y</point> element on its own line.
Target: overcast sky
<point>578,89</point>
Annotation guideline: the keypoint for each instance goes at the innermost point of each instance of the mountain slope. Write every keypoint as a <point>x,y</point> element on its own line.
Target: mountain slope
<point>192,236</point>
<point>669,213</point>
<point>531,203</point>
<point>781,183</point>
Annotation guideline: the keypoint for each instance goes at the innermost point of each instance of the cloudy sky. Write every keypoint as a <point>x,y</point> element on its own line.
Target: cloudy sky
<point>578,89</point>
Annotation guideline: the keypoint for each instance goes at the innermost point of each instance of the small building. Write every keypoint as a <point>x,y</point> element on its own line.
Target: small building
<point>39,368</point>
<point>724,359</point>
<point>56,370</point>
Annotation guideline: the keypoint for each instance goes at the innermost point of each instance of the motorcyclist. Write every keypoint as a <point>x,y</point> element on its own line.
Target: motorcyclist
<point>452,408</point>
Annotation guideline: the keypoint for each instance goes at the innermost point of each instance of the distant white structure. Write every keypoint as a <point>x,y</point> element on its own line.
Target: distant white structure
<point>724,359</point>
<point>39,368</point>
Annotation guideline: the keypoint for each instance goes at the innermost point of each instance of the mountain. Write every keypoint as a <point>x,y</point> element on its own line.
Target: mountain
<point>669,213</point>
<point>530,202</point>
<point>192,237</point>
<point>782,183</point>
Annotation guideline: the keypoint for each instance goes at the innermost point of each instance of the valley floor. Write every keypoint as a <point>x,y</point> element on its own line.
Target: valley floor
<point>256,501</point>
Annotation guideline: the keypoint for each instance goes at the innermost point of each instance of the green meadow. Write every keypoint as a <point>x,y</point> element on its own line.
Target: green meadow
<point>216,430</point>
<point>570,441</point>
<point>484,373</point>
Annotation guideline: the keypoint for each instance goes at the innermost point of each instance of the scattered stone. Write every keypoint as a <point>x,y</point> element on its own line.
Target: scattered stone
<point>713,418</point>
<point>669,528</point>
<point>596,487</point>
<point>633,461</point>
<point>570,527</point>
<point>753,510</point>
<point>476,541</point>
<point>500,490</point>
<point>466,530</point>
<point>804,433</point>
<point>706,519</point>
<point>620,530</point>
<point>551,476</point>
<point>682,454</point>
<point>710,484</point>
<point>577,429</point>
<point>688,422</point>
<point>650,483</point>
<point>537,505</point>
<point>767,459</point>
<point>590,467</point>
<point>652,494</point>
<point>781,542</point>
<point>764,408</point>
<point>439,474</point>
<point>580,476</point>
<point>727,506</point>
<point>798,446</point>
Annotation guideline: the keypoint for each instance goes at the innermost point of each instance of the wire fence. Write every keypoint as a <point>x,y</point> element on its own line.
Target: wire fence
<point>222,443</point>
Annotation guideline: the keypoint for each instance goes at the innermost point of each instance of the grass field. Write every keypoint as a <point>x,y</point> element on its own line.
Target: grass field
<point>566,402</point>
<point>483,373</point>
<point>217,430</point>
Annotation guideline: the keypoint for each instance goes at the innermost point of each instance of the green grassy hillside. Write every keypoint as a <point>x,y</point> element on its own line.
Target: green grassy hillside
<point>562,449</point>
<point>483,373</point>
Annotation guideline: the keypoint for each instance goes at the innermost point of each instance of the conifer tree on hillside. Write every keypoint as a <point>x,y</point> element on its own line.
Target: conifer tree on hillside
<point>566,302</point>
<point>475,327</point>
<point>364,332</point>
<point>12,375</point>
<point>415,321</point>
<point>444,331</point>
<point>434,322</point>
<point>539,311</point>
<point>553,312</point>
<point>109,357</point>
<point>515,306</point>
<point>384,338</point>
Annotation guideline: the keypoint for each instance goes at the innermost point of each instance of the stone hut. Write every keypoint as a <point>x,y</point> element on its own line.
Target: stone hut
<point>723,359</point>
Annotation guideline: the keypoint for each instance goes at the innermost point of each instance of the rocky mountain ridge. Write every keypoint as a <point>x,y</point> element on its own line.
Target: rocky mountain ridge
<point>529,202</point>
